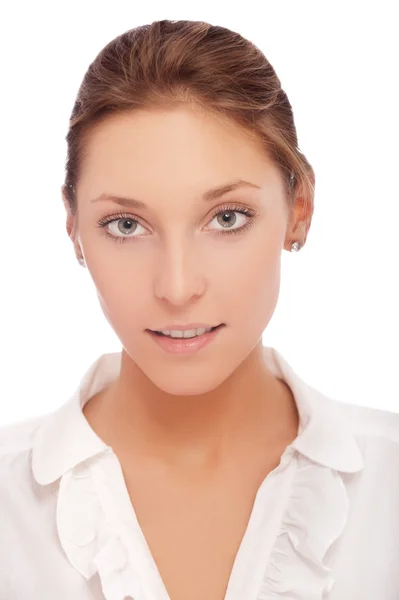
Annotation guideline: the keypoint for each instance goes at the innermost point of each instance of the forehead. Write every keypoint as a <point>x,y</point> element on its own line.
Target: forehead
<point>170,149</point>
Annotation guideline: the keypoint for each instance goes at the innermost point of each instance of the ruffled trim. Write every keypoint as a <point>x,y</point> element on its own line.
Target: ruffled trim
<point>315,517</point>
<point>99,532</point>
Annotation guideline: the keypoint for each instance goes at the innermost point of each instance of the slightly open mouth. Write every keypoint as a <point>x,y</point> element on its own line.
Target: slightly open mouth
<point>161,334</point>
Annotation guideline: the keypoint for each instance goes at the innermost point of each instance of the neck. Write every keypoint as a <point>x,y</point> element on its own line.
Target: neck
<point>252,409</point>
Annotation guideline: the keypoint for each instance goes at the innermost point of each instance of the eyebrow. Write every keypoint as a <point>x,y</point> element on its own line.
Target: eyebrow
<point>208,196</point>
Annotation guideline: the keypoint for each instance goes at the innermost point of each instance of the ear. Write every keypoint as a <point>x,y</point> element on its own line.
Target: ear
<point>70,219</point>
<point>300,219</point>
<point>71,224</point>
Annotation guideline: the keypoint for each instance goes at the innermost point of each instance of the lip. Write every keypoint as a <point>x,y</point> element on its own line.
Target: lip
<point>184,345</point>
<point>184,327</point>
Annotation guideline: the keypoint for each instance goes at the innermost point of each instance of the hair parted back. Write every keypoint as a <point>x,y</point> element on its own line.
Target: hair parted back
<point>167,64</point>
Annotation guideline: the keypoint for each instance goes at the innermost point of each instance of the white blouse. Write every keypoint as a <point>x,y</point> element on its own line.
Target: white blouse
<point>324,524</point>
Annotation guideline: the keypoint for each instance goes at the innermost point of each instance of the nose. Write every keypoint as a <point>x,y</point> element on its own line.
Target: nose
<point>179,275</point>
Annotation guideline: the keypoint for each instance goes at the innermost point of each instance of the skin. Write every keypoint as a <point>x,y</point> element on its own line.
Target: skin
<point>220,405</point>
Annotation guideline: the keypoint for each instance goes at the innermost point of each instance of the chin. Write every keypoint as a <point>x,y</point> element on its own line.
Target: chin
<point>183,383</point>
<point>197,388</point>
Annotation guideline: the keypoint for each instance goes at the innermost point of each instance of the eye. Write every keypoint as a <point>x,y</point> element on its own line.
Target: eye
<point>124,227</point>
<point>225,217</point>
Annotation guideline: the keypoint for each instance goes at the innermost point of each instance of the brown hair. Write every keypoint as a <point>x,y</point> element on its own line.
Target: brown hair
<point>169,63</point>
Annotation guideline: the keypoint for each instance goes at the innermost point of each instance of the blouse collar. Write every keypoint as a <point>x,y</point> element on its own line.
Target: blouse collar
<point>65,438</point>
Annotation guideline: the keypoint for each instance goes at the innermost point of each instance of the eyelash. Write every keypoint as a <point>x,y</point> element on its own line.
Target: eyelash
<point>251,214</point>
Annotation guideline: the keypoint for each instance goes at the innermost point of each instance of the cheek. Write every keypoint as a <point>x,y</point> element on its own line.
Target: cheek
<point>256,290</point>
<point>253,267</point>
<point>123,292</point>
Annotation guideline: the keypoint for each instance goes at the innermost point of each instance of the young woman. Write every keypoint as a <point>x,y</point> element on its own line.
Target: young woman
<point>195,464</point>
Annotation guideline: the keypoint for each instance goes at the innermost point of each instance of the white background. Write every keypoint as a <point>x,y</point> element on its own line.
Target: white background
<point>337,317</point>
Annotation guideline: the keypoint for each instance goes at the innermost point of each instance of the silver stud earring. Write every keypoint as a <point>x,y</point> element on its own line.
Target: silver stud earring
<point>295,247</point>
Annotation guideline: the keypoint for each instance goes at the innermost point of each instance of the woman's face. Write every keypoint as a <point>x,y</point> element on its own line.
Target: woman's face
<point>181,260</point>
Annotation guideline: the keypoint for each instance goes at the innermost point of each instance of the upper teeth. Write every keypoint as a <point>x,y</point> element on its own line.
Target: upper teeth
<point>186,334</point>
